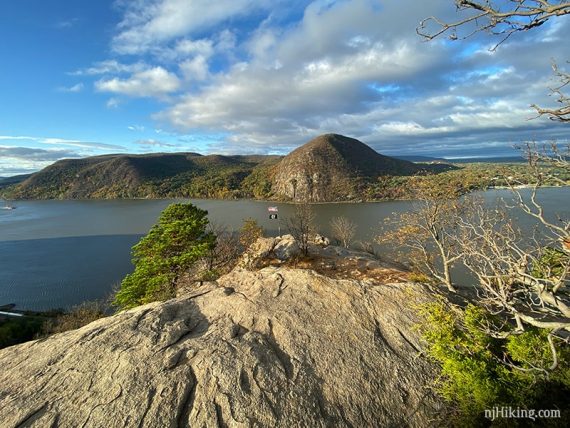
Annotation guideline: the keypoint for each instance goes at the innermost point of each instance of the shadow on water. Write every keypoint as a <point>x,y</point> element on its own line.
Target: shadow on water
<point>41,274</point>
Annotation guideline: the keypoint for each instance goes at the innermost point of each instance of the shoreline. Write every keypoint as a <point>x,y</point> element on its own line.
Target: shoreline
<point>277,201</point>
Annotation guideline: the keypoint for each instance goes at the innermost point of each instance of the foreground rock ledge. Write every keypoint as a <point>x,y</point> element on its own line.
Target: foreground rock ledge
<point>277,347</point>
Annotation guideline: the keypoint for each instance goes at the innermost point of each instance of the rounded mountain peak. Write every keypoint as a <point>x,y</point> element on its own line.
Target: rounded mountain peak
<point>336,140</point>
<point>329,168</point>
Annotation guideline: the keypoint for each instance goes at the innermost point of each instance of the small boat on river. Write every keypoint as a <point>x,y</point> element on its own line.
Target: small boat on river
<point>7,206</point>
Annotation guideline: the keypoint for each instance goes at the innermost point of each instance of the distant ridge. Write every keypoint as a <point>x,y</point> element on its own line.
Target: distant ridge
<point>417,158</point>
<point>140,176</point>
<point>498,159</point>
<point>331,167</point>
<point>15,179</point>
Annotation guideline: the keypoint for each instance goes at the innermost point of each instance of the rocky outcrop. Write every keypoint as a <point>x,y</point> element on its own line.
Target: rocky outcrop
<point>331,167</point>
<point>278,347</point>
<point>279,248</point>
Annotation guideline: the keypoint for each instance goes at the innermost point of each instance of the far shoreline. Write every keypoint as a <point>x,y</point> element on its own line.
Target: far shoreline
<point>287,202</point>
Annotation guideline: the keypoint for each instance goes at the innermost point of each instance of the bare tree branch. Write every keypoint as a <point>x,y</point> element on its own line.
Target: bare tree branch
<point>344,230</point>
<point>301,225</point>
<point>492,17</point>
<point>560,114</point>
<point>504,19</point>
<point>430,230</point>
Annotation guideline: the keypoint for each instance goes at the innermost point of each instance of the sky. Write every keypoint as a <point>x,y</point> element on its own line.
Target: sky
<point>82,77</point>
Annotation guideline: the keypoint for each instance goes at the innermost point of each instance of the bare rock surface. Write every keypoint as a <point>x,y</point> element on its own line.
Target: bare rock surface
<point>278,347</point>
<point>280,248</point>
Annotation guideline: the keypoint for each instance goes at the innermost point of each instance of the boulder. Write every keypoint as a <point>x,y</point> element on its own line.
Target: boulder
<point>282,248</point>
<point>286,248</point>
<point>278,347</point>
<point>322,241</point>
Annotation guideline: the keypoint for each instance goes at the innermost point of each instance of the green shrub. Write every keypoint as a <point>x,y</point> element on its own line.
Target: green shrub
<point>551,265</point>
<point>481,372</point>
<point>250,232</point>
<point>419,277</point>
<point>172,246</point>
<point>14,330</point>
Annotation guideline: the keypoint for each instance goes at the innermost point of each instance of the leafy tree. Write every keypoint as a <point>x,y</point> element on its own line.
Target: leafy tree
<point>221,257</point>
<point>14,330</point>
<point>173,245</point>
<point>77,317</point>
<point>552,264</point>
<point>250,232</point>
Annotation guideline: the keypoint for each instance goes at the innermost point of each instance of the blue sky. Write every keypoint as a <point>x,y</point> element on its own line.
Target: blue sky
<point>82,77</point>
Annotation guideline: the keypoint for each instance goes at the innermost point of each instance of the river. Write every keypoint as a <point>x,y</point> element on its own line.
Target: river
<point>57,254</point>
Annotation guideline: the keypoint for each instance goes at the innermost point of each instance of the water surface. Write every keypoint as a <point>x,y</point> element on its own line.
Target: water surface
<point>56,254</point>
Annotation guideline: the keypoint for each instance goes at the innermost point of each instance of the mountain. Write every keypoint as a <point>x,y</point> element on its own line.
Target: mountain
<point>142,176</point>
<point>332,167</point>
<point>424,159</point>
<point>278,347</point>
<point>498,159</point>
<point>15,179</point>
<point>329,168</point>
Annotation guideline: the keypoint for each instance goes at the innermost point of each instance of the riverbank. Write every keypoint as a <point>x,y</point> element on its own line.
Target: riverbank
<point>289,201</point>
<point>466,177</point>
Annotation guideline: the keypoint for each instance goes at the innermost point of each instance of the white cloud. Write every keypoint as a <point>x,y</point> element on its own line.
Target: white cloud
<point>154,82</point>
<point>113,103</point>
<point>148,22</point>
<point>406,128</point>
<point>109,67</point>
<point>155,144</point>
<point>72,89</point>
<point>226,40</point>
<point>555,29</point>
<point>34,154</point>
<point>262,42</point>
<point>26,156</point>
<point>64,24</point>
<point>298,78</point>
<point>22,160</point>
<point>355,67</point>
<point>195,69</point>
<point>187,47</point>
<point>62,142</point>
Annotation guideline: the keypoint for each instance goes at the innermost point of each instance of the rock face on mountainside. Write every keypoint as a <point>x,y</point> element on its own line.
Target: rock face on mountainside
<point>331,167</point>
<point>276,347</point>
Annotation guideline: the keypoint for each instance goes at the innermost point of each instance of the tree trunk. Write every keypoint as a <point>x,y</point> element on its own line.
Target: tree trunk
<point>447,275</point>
<point>445,262</point>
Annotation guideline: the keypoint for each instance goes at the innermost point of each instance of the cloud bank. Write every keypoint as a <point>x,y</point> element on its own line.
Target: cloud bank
<point>270,75</point>
<point>261,76</point>
<point>20,154</point>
